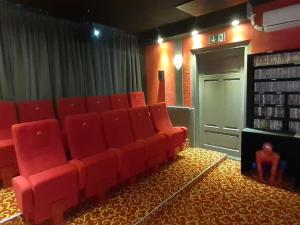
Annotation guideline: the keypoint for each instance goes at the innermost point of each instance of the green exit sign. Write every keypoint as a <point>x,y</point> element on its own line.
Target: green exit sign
<point>216,38</point>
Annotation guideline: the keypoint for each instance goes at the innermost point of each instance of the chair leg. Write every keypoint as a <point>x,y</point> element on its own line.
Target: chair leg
<point>6,183</point>
<point>102,197</point>
<point>7,173</point>
<point>103,188</point>
<point>178,149</point>
<point>174,157</point>
<point>132,180</point>
<point>155,169</point>
<point>58,209</point>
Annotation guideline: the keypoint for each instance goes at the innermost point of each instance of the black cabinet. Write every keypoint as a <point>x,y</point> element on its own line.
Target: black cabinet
<point>287,145</point>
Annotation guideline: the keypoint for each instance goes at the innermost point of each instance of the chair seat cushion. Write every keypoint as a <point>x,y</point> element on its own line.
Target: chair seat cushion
<point>156,148</point>
<point>175,137</point>
<point>101,171</point>
<point>132,159</point>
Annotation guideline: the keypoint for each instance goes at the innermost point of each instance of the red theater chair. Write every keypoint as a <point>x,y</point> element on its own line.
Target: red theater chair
<point>119,101</point>
<point>97,166</point>
<point>70,106</point>
<point>67,107</point>
<point>163,124</point>
<point>30,111</point>
<point>47,184</point>
<point>8,162</point>
<point>156,144</point>
<point>118,134</point>
<point>98,104</point>
<point>136,99</point>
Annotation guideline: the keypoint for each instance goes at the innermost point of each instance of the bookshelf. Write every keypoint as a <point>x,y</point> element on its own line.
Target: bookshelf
<point>273,95</point>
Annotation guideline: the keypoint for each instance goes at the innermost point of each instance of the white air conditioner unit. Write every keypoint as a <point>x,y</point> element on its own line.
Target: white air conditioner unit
<point>282,18</point>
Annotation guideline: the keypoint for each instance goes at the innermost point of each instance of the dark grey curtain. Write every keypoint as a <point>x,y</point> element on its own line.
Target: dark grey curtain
<point>42,57</point>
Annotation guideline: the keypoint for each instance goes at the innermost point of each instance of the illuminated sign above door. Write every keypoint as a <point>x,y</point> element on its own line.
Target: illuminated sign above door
<point>216,38</point>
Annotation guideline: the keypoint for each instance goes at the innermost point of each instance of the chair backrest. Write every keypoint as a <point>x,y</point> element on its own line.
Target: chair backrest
<point>98,104</point>
<point>141,122</point>
<point>119,101</point>
<point>70,106</point>
<point>85,135</point>
<point>30,111</point>
<point>38,146</point>
<point>136,99</point>
<point>117,128</point>
<point>8,117</point>
<point>160,117</point>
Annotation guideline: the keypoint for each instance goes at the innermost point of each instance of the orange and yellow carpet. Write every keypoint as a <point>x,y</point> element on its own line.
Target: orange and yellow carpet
<point>224,196</point>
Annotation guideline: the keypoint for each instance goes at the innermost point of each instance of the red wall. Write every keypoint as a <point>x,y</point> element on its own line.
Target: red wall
<point>160,57</point>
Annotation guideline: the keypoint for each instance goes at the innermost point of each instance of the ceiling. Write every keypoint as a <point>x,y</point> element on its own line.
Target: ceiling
<point>202,7</point>
<point>135,16</point>
<point>130,15</point>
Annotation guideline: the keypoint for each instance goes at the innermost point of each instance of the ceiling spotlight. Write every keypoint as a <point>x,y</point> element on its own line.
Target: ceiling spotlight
<point>96,32</point>
<point>235,22</point>
<point>195,33</point>
<point>160,40</point>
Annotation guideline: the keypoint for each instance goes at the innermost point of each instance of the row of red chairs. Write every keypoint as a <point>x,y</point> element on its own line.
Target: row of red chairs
<point>105,149</point>
<point>28,111</point>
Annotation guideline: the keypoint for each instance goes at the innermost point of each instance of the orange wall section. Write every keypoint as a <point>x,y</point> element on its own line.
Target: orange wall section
<point>160,57</point>
<point>187,45</point>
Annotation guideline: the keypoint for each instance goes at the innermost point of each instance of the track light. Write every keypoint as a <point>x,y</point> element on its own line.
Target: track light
<point>194,33</point>
<point>160,40</point>
<point>96,33</point>
<point>235,22</point>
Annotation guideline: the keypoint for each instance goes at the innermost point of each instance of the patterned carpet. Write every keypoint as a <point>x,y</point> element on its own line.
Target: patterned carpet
<point>129,204</point>
<point>226,197</point>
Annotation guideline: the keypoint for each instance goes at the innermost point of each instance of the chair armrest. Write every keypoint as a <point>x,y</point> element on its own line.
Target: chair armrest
<point>163,133</point>
<point>24,195</point>
<point>81,171</point>
<point>141,141</point>
<point>182,127</point>
<point>114,150</point>
<point>185,130</point>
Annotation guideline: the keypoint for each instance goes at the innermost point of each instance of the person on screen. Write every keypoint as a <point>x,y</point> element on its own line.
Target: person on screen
<point>265,157</point>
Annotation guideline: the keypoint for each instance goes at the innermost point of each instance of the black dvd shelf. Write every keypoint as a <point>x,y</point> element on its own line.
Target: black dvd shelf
<point>271,118</point>
<point>273,95</point>
<point>278,65</point>
<point>278,92</point>
<point>270,105</point>
<point>277,79</point>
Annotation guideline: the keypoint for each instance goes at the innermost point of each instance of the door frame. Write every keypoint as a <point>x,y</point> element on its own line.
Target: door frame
<point>196,80</point>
